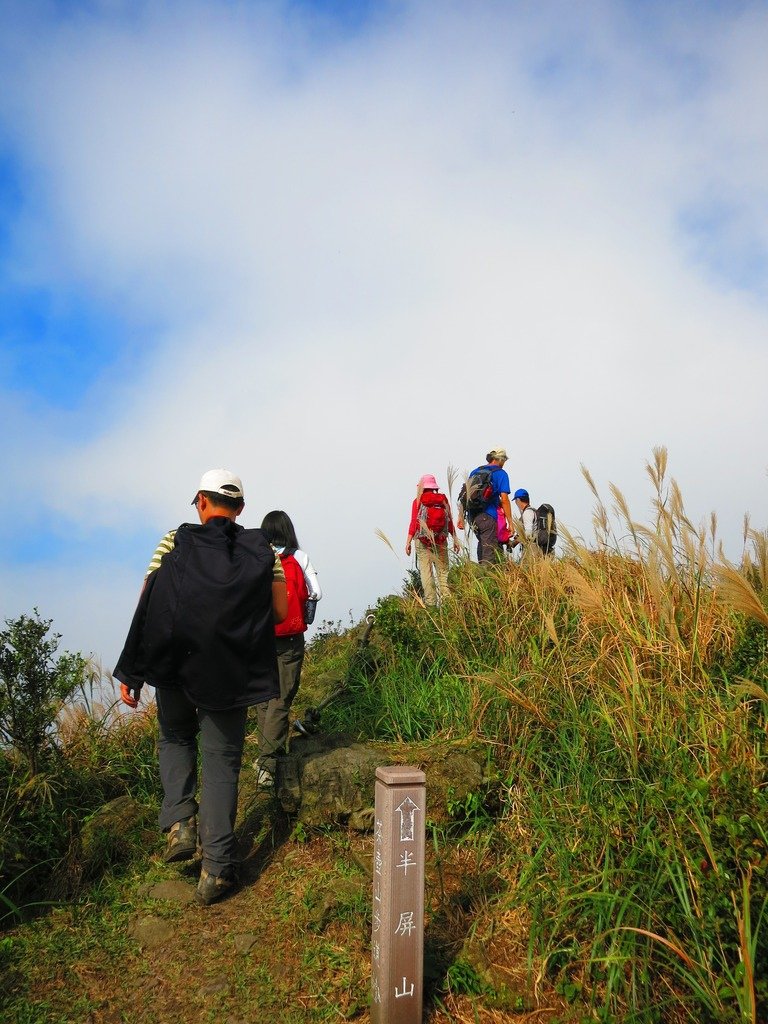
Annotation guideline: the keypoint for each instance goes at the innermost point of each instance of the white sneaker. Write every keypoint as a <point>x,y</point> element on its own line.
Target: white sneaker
<point>264,778</point>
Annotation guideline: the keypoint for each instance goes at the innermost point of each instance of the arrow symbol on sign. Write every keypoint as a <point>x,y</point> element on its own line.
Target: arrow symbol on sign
<point>407,811</point>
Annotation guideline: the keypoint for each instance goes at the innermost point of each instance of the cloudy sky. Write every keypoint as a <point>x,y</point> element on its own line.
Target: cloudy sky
<point>333,245</point>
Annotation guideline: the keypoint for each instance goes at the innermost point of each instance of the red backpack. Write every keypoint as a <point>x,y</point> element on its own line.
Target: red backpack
<point>432,518</point>
<point>294,622</point>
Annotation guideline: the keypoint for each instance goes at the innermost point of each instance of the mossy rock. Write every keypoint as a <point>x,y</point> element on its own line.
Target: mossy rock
<point>331,786</point>
<point>329,779</point>
<point>112,833</point>
<point>453,774</point>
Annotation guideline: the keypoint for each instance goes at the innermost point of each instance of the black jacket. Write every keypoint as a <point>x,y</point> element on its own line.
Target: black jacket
<point>204,620</point>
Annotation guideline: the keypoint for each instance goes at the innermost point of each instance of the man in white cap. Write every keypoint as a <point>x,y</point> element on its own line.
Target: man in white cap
<point>214,485</point>
<point>485,492</point>
<point>203,636</point>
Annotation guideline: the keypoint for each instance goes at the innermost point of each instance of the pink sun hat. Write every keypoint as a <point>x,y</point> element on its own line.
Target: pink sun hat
<point>428,482</point>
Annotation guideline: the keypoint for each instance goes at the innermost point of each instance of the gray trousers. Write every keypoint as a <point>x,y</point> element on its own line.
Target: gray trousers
<point>272,716</point>
<point>485,528</point>
<point>221,743</point>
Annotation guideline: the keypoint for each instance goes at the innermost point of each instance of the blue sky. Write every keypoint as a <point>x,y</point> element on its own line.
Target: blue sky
<point>297,239</point>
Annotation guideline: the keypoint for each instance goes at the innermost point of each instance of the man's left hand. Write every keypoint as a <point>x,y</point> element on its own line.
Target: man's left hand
<point>130,695</point>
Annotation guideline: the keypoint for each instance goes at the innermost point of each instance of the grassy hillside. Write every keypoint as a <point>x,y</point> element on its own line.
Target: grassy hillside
<point>614,866</point>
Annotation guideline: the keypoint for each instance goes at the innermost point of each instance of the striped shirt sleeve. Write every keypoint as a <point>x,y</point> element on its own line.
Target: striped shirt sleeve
<point>165,545</point>
<point>278,573</point>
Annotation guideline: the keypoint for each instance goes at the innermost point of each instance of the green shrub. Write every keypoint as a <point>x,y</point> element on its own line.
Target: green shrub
<point>34,684</point>
<point>61,761</point>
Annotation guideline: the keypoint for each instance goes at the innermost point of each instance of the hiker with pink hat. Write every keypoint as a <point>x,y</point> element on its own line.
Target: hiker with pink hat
<point>431,525</point>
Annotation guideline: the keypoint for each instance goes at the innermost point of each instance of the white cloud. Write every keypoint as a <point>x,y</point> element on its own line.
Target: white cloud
<point>381,256</point>
<point>91,606</point>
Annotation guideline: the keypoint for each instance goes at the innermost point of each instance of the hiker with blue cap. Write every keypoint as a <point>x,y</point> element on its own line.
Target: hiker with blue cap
<point>522,499</point>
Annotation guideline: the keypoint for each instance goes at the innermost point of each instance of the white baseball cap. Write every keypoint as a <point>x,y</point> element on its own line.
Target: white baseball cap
<point>220,481</point>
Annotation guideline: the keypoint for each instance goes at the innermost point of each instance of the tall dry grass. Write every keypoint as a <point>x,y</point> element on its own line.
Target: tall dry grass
<point>623,687</point>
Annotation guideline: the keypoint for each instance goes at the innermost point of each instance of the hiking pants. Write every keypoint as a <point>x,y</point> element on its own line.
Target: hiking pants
<point>485,528</point>
<point>221,743</point>
<point>272,715</point>
<point>433,567</point>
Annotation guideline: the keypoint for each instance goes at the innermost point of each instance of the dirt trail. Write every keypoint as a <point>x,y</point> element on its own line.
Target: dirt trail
<point>292,945</point>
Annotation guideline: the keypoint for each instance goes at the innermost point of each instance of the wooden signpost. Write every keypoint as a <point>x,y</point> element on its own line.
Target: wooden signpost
<point>397,931</point>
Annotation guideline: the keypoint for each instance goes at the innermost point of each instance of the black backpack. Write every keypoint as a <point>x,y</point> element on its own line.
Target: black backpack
<point>477,492</point>
<point>546,527</point>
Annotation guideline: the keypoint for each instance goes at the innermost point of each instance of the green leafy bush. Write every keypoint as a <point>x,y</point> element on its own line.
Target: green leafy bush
<point>60,761</point>
<point>34,684</point>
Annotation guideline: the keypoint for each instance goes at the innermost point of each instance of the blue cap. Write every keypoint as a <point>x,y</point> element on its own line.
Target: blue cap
<point>522,494</point>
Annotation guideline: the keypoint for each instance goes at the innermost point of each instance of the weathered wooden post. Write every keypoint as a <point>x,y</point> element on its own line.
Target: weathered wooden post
<point>397,931</point>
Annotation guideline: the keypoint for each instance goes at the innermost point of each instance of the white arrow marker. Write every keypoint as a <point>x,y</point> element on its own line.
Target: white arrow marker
<point>407,811</point>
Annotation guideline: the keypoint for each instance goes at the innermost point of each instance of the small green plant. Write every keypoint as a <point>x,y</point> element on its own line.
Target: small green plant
<point>300,833</point>
<point>470,812</point>
<point>462,978</point>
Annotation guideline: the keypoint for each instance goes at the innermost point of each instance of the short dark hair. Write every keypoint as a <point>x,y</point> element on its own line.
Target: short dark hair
<point>279,529</point>
<point>223,500</point>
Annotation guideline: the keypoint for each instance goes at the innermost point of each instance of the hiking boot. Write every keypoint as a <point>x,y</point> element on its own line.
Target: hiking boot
<point>182,841</point>
<point>212,888</point>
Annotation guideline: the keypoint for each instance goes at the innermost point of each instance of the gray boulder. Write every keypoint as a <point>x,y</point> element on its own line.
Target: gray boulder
<point>330,779</point>
<point>112,833</point>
